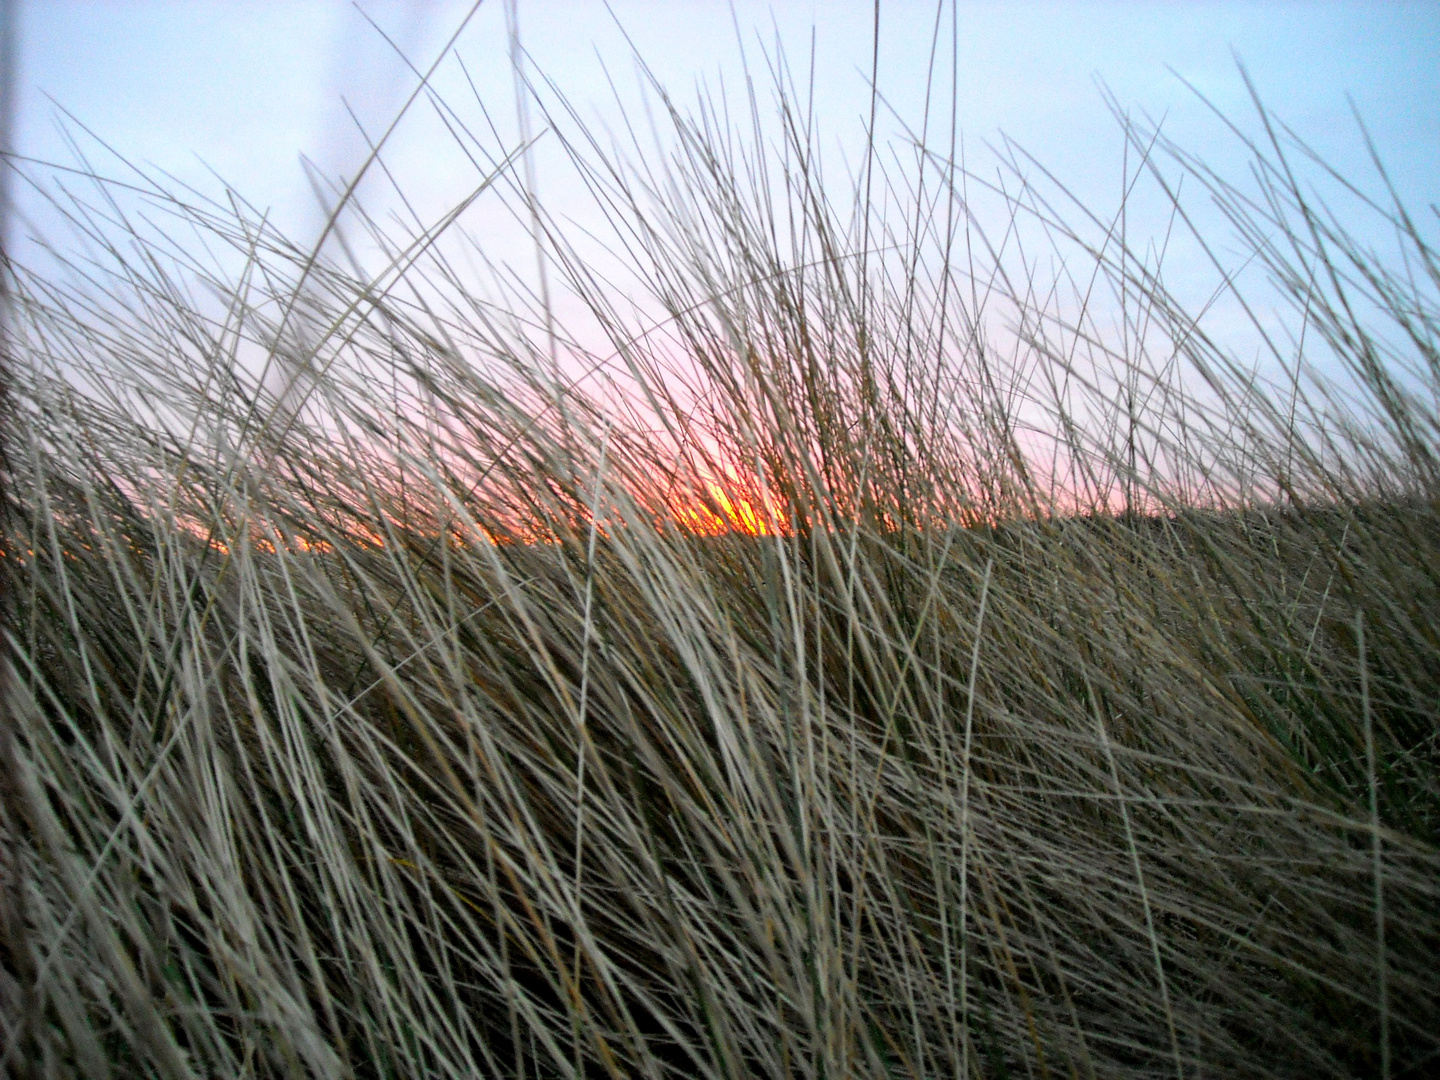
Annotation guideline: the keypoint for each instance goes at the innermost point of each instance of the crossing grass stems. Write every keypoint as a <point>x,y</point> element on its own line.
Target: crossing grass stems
<point>868,661</point>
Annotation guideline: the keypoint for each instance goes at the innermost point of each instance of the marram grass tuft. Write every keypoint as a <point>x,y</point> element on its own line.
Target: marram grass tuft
<point>872,662</point>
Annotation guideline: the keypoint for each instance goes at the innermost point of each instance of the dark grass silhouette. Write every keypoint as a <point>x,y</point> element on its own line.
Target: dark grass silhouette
<point>884,665</point>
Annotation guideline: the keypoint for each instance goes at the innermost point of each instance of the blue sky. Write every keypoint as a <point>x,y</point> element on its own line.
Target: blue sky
<point>247,85</point>
<point>244,87</point>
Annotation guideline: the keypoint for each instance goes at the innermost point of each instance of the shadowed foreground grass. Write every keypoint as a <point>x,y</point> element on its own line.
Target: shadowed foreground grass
<point>1066,705</point>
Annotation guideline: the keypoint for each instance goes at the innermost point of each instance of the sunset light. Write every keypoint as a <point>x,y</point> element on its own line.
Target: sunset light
<point>793,539</point>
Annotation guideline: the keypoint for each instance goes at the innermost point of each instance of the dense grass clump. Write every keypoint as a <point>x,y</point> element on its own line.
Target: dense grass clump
<point>882,664</point>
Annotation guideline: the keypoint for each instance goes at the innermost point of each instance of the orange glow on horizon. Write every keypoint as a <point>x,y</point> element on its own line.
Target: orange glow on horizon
<point>727,506</point>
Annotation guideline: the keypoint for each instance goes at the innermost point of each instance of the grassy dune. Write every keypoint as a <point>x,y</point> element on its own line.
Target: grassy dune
<point>883,665</point>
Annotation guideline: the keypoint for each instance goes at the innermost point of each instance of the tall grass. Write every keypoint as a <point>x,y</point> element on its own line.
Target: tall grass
<point>891,661</point>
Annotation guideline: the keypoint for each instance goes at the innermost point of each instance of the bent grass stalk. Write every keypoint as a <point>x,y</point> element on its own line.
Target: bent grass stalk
<point>965,825</point>
<point>1381,997</point>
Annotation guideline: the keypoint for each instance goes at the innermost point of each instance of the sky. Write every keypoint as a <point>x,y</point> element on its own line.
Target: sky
<point>240,89</point>
<point>246,86</point>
